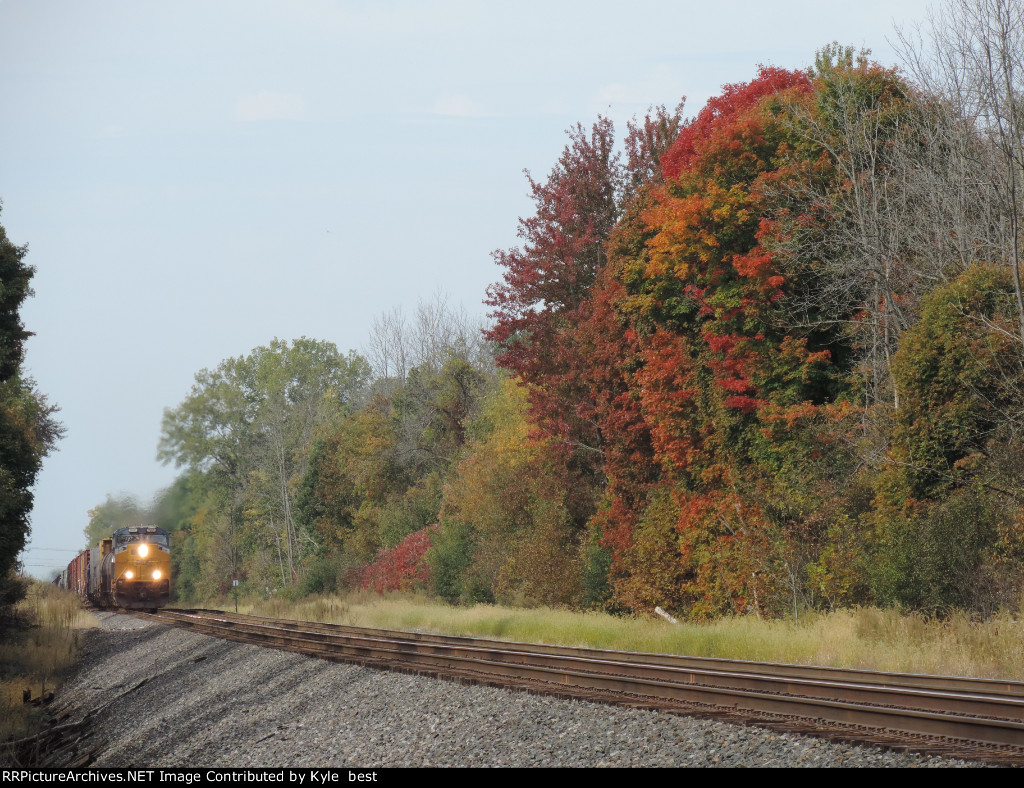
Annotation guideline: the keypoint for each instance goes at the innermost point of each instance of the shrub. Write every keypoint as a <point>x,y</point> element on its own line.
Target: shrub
<point>402,567</point>
<point>450,558</point>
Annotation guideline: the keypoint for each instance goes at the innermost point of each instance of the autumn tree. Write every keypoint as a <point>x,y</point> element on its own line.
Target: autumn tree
<point>353,471</point>
<point>689,346</point>
<point>548,279</point>
<point>551,333</point>
<point>546,287</point>
<point>377,473</point>
<point>712,351</point>
<point>507,532</point>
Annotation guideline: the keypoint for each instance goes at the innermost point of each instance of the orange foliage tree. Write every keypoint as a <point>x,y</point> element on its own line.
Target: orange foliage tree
<point>707,358</point>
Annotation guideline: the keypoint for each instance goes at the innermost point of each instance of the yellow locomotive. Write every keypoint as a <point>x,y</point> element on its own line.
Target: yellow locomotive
<point>131,569</point>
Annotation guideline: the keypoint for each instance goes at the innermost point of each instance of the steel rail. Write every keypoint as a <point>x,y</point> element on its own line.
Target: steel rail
<point>387,644</point>
<point>958,684</point>
<point>986,713</point>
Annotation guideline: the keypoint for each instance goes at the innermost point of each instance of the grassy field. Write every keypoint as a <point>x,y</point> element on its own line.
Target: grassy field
<point>35,652</point>
<point>859,638</point>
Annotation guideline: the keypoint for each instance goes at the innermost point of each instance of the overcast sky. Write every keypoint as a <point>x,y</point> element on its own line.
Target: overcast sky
<point>194,179</point>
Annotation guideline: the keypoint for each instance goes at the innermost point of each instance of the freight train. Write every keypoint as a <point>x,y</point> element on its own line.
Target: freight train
<point>131,569</point>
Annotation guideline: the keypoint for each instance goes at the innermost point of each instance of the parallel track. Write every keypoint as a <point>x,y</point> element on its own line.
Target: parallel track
<point>975,718</point>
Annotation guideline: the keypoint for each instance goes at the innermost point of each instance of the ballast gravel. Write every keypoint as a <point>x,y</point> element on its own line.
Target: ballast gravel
<point>167,697</point>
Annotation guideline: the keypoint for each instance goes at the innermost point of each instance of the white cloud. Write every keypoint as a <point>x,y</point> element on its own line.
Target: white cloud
<point>456,106</point>
<point>267,105</point>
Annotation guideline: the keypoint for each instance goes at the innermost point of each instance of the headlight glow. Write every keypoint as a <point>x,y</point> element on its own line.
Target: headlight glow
<point>143,550</point>
<point>129,574</point>
<point>156,574</point>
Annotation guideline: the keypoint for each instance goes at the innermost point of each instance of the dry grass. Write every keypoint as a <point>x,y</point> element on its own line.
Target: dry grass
<point>859,638</point>
<point>36,653</point>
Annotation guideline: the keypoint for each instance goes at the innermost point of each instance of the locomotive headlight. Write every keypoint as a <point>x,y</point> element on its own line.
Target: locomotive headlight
<point>143,550</point>
<point>156,574</point>
<point>129,574</point>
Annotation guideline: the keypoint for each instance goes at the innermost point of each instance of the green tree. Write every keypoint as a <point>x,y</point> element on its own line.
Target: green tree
<point>28,428</point>
<point>248,426</point>
<point>945,504</point>
<point>175,510</point>
<point>112,514</point>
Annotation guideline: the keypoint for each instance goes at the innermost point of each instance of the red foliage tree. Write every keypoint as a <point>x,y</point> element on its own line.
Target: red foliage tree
<point>705,345</point>
<point>554,334</point>
<point>401,568</point>
<point>654,340</point>
<point>721,111</point>
<point>548,280</point>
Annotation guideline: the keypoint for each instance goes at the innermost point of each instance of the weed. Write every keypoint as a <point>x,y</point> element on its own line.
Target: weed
<point>868,638</point>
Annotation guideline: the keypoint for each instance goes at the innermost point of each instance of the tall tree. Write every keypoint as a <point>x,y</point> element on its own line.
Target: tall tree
<point>28,427</point>
<point>545,316</point>
<point>556,324</point>
<point>249,425</point>
<point>705,382</point>
<point>972,55</point>
<point>891,198</point>
<point>547,281</point>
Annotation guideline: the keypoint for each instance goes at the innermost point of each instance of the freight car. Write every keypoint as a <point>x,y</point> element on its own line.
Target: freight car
<point>131,569</point>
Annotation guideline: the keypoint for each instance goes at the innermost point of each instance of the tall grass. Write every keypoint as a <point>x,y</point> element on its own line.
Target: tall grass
<point>35,651</point>
<point>867,638</point>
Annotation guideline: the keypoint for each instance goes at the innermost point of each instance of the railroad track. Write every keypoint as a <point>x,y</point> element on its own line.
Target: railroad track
<point>972,718</point>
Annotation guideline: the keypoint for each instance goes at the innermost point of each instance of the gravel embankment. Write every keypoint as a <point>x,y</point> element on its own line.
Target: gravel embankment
<point>211,702</point>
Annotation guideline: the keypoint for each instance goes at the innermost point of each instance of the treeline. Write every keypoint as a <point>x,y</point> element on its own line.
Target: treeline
<point>302,463</point>
<point>763,360</point>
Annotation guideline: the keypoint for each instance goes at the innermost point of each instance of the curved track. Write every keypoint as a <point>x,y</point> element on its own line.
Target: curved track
<point>973,718</point>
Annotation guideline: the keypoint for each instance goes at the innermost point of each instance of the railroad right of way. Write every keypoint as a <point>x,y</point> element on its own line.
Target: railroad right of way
<point>160,696</point>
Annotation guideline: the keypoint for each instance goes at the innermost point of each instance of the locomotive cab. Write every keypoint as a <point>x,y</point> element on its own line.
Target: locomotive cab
<point>137,571</point>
